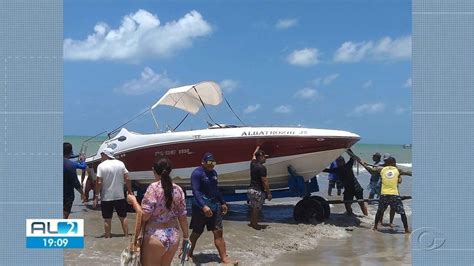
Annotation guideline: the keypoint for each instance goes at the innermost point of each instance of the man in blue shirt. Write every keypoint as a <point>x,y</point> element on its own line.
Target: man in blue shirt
<point>208,206</point>
<point>334,181</point>
<point>374,184</point>
<point>70,180</point>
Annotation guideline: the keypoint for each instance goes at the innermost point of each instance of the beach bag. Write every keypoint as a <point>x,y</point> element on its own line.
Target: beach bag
<point>131,255</point>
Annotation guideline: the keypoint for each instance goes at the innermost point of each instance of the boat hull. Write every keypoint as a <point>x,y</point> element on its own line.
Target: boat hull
<point>309,153</point>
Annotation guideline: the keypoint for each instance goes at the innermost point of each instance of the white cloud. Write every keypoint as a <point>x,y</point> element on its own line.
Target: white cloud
<point>286,23</point>
<point>407,83</point>
<point>400,110</point>
<point>304,57</point>
<point>367,109</point>
<point>139,36</point>
<point>148,81</point>
<point>383,49</point>
<point>326,80</point>
<point>283,109</point>
<point>367,84</point>
<point>229,85</point>
<point>251,108</point>
<point>306,93</point>
<point>352,52</point>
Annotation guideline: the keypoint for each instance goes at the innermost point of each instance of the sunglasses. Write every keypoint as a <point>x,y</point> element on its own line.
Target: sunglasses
<point>211,163</point>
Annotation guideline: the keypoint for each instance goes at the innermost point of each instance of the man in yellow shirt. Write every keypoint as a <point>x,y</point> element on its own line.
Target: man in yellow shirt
<point>389,195</point>
<point>390,177</point>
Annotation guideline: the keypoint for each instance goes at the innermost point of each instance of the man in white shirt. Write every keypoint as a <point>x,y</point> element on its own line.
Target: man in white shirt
<point>111,176</point>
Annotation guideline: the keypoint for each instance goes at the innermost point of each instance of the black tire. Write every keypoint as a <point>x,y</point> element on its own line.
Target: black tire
<point>308,209</point>
<point>325,204</point>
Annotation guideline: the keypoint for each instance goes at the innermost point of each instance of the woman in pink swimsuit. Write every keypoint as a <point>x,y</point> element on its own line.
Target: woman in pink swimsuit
<point>164,212</point>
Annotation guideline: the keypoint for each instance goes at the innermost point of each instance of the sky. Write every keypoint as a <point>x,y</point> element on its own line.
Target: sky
<point>318,64</point>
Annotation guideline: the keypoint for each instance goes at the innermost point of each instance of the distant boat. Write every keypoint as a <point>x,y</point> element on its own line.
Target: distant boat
<point>407,146</point>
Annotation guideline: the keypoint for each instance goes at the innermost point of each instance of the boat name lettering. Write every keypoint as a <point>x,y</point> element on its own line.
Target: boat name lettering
<point>173,152</point>
<point>274,132</point>
<point>185,151</point>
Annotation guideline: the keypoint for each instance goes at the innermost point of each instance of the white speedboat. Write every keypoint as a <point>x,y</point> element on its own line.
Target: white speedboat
<point>308,150</point>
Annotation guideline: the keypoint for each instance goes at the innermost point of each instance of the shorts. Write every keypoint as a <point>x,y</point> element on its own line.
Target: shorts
<point>256,198</point>
<point>90,185</point>
<point>394,201</point>
<point>374,187</point>
<point>167,236</point>
<point>199,220</point>
<point>350,194</point>
<point>67,203</point>
<point>333,183</point>
<point>108,207</point>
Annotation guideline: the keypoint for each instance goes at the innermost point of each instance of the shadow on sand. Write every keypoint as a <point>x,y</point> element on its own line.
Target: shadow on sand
<point>284,214</point>
<point>202,258</point>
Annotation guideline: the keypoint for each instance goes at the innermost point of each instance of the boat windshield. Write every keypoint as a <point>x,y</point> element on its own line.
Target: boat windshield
<point>223,126</point>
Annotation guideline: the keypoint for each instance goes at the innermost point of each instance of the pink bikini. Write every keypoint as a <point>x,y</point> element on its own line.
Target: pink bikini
<point>163,223</point>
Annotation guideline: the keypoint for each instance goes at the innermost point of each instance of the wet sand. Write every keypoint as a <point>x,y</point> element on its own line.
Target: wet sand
<point>339,240</point>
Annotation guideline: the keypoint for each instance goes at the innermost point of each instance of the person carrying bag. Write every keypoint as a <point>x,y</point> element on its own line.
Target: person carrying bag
<point>131,255</point>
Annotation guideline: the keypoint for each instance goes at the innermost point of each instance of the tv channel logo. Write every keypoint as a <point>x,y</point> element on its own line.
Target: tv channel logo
<point>54,233</point>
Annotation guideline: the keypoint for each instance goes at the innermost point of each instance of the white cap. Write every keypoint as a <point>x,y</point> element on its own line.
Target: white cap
<point>109,152</point>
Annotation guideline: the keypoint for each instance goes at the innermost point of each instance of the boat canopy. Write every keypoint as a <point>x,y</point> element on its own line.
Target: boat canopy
<point>191,98</point>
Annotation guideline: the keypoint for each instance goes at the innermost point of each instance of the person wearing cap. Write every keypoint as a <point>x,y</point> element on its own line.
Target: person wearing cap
<point>208,206</point>
<point>352,187</point>
<point>70,180</point>
<point>374,184</point>
<point>111,177</point>
<point>391,177</point>
<point>259,186</point>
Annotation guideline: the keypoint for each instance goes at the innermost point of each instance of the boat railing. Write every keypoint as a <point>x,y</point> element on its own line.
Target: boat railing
<point>86,142</point>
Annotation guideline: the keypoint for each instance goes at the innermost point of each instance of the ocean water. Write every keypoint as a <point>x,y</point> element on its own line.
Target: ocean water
<point>365,151</point>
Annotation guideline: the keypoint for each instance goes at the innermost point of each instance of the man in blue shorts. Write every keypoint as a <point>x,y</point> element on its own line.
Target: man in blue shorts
<point>208,206</point>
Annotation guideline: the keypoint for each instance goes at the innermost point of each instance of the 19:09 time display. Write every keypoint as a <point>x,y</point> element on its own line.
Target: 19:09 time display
<point>55,242</point>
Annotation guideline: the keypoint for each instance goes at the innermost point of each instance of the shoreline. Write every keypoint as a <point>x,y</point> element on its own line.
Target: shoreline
<point>339,240</point>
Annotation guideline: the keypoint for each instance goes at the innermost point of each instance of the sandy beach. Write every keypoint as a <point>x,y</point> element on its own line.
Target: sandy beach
<point>339,240</point>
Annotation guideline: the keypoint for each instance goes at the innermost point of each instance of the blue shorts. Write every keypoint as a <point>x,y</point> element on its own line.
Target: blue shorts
<point>199,220</point>
<point>374,187</point>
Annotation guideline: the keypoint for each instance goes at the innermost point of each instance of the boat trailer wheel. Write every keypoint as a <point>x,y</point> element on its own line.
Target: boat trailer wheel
<point>307,210</point>
<point>325,204</point>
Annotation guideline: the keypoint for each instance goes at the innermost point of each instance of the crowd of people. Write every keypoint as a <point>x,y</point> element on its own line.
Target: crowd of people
<point>163,208</point>
<point>383,186</point>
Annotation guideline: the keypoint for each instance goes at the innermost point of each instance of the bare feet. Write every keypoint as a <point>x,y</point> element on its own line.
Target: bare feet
<point>407,231</point>
<point>228,261</point>
<point>375,228</point>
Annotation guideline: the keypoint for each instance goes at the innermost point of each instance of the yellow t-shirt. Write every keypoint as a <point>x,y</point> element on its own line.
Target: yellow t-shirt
<point>389,175</point>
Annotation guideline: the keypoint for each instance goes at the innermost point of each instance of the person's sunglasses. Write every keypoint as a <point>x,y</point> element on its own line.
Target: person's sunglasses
<point>211,163</point>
